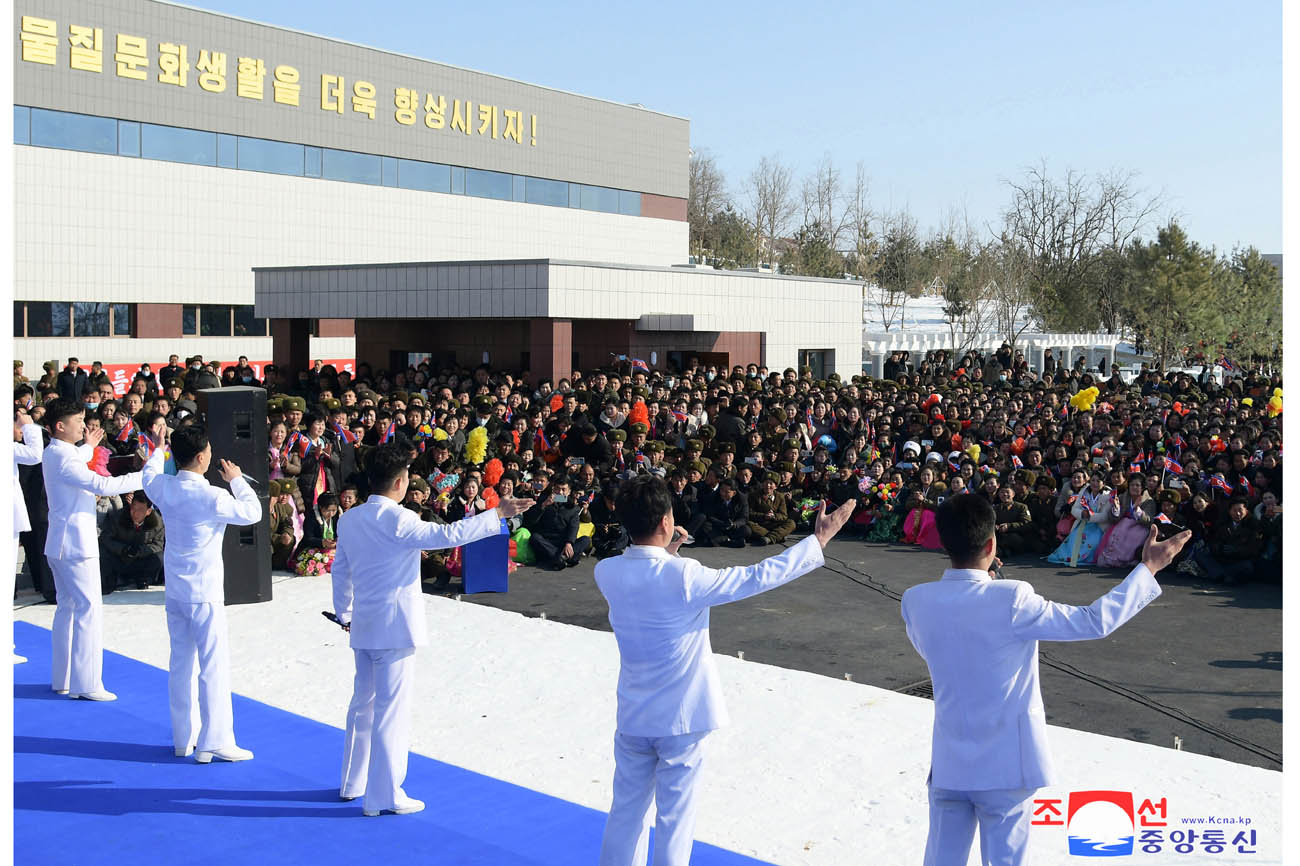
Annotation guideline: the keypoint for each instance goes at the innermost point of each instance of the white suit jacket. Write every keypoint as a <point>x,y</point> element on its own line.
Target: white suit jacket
<point>70,489</point>
<point>376,570</point>
<point>196,514</point>
<point>979,637</point>
<point>659,608</point>
<point>26,453</point>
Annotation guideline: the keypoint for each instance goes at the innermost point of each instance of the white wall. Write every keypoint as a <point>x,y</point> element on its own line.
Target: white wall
<point>91,227</point>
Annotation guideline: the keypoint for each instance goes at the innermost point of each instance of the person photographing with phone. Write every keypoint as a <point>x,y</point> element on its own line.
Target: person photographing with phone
<point>979,639</point>
<point>554,523</point>
<point>669,697</point>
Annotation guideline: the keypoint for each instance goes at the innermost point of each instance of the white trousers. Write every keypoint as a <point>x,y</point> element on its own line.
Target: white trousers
<point>199,695</point>
<point>1003,818</point>
<point>662,770</point>
<point>379,727</point>
<point>77,654</point>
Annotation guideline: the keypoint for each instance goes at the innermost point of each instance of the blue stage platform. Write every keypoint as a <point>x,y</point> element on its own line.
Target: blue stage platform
<point>98,784</point>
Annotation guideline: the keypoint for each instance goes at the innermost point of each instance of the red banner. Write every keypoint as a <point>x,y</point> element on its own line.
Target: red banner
<point>121,375</point>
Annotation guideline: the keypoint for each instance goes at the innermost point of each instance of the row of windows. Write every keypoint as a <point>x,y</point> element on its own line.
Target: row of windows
<point>80,319</point>
<point>83,132</point>
<point>90,319</point>
<point>221,320</point>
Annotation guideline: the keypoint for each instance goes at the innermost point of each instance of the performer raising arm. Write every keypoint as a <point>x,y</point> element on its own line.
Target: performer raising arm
<point>669,697</point>
<point>196,514</point>
<point>72,548</point>
<point>979,637</point>
<point>376,577</point>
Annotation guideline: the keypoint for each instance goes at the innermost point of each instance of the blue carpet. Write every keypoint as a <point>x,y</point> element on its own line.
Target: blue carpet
<point>98,784</point>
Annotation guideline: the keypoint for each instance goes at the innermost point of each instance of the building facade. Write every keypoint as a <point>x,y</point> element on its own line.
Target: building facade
<point>162,153</point>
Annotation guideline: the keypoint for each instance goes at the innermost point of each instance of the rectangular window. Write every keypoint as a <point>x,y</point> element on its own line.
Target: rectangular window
<point>22,124</point>
<point>629,203</point>
<point>600,198</point>
<point>313,161</point>
<point>45,319</point>
<point>488,184</point>
<point>214,320</point>
<point>349,166</point>
<point>517,192</point>
<point>428,176</point>
<point>123,319</point>
<point>457,180</point>
<point>575,195</point>
<point>189,320</point>
<point>19,313</point>
<point>276,157</point>
<point>89,319</point>
<point>68,131</point>
<point>552,192</point>
<point>227,151</point>
<point>128,138</point>
<point>174,144</point>
<point>248,325</point>
<point>388,170</point>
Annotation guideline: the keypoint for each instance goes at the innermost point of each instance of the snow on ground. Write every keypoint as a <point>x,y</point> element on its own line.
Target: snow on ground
<point>812,770</point>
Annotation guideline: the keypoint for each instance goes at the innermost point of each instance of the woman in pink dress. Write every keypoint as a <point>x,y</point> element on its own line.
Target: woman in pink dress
<point>1133,510</point>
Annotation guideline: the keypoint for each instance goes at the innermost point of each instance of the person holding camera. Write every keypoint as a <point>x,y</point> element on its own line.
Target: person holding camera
<point>979,639</point>
<point>669,697</point>
<point>554,523</point>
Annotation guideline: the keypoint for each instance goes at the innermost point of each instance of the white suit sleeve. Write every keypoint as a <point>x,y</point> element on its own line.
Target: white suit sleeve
<point>28,452</point>
<point>341,580</point>
<point>242,508</point>
<point>422,535</point>
<point>154,478</point>
<point>1035,618</point>
<point>78,473</point>
<point>706,587</point>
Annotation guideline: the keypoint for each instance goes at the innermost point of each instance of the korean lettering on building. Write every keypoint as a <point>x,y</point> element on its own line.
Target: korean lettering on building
<point>173,64</point>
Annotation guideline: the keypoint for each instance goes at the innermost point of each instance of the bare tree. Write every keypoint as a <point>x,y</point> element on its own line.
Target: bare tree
<point>706,198</point>
<point>1010,294</point>
<point>898,268</point>
<point>772,205</point>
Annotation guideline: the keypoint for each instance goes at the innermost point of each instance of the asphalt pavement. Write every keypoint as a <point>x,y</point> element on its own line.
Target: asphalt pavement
<point>1201,665</point>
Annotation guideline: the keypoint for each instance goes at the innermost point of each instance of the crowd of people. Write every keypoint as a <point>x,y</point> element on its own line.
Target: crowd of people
<point>1077,462</point>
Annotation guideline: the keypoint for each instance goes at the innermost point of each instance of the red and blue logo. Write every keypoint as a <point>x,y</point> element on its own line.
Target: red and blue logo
<point>1101,823</point>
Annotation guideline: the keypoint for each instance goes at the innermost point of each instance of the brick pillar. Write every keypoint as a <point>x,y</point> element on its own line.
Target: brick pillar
<point>550,348</point>
<point>291,346</point>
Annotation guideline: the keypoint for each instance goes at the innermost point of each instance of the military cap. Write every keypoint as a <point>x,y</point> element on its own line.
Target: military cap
<point>772,476</point>
<point>295,404</point>
<point>778,413</point>
<point>331,404</point>
<point>698,466</point>
<point>1170,496</point>
<point>787,467</point>
<point>655,446</point>
<point>273,404</point>
<point>51,366</point>
<point>17,363</point>
<point>1045,480</point>
<point>726,447</point>
<point>1026,477</point>
<point>639,427</point>
<point>399,395</point>
<point>618,435</point>
<point>694,445</point>
<point>643,393</point>
<point>416,400</point>
<point>173,382</point>
<point>420,484</point>
<point>484,403</point>
<point>707,431</point>
<point>790,443</point>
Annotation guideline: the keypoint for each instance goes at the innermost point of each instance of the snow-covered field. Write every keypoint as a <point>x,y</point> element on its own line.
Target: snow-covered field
<point>812,771</point>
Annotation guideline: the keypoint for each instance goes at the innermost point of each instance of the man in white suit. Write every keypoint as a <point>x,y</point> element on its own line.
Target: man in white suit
<point>979,638</point>
<point>72,548</point>
<point>196,515</point>
<point>669,697</point>
<point>377,597</point>
<point>28,446</point>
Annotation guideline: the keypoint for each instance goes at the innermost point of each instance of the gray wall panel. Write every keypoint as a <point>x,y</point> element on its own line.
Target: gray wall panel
<point>578,138</point>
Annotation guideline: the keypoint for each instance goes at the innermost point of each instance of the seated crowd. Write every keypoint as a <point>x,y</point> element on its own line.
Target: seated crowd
<point>1077,464</point>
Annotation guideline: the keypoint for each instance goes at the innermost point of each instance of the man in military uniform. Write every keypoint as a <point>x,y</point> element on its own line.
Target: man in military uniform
<point>282,523</point>
<point>485,416</point>
<point>726,516</point>
<point>294,409</point>
<point>769,521</point>
<point>1013,523</point>
<point>726,462</point>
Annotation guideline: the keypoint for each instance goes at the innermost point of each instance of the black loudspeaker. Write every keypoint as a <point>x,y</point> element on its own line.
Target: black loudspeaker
<point>235,419</point>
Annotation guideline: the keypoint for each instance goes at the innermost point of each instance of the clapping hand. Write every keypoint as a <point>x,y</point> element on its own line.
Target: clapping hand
<point>828,525</point>
<point>679,538</point>
<point>1158,554</point>
<point>94,437</point>
<point>509,507</point>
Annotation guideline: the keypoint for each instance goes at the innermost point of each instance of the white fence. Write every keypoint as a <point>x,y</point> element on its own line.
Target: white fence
<point>876,348</point>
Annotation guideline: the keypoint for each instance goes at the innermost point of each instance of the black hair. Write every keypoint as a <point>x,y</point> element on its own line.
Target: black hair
<point>23,390</point>
<point>325,500</point>
<point>641,505</point>
<point>188,443</point>
<point>384,464</point>
<point>965,523</point>
<point>309,419</point>
<point>60,410</point>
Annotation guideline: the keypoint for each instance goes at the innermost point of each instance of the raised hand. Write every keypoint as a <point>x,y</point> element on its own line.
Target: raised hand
<point>230,471</point>
<point>509,507</point>
<point>1158,554</point>
<point>94,437</point>
<point>828,525</point>
<point>679,538</point>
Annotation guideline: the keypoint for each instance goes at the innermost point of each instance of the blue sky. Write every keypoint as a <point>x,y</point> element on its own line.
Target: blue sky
<point>942,101</point>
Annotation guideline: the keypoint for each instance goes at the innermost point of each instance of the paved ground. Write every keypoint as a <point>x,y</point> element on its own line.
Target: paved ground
<point>1203,663</point>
